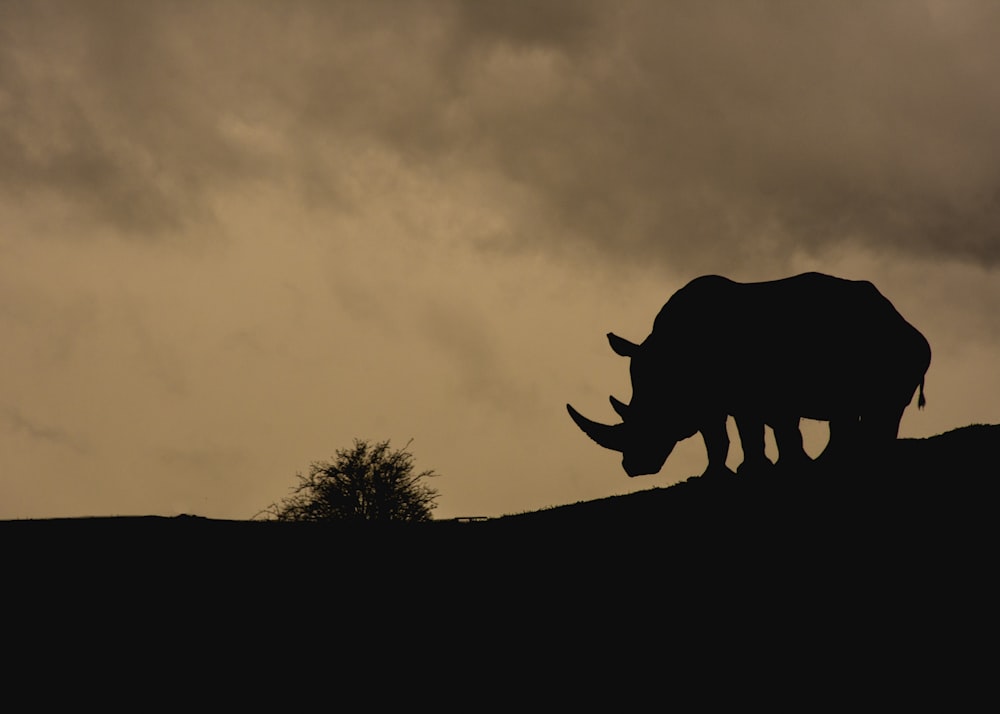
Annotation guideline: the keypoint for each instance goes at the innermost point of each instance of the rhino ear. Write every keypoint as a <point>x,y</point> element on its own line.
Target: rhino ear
<point>622,346</point>
<point>619,407</point>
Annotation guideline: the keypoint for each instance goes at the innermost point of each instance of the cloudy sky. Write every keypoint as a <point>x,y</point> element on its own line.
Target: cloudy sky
<point>235,236</point>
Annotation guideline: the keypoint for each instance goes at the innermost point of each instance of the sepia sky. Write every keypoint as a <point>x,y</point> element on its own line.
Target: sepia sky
<point>235,236</point>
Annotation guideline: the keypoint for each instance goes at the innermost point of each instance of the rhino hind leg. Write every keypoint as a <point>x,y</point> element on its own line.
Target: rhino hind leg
<point>858,440</point>
<point>881,427</point>
<point>878,431</point>
<point>845,433</point>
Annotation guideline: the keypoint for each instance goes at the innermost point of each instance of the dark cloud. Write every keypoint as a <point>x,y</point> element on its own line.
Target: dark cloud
<point>104,106</point>
<point>708,133</point>
<point>705,134</point>
<point>565,25</point>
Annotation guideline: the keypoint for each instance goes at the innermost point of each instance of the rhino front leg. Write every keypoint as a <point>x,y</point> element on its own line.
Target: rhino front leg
<point>752,438</point>
<point>791,454</point>
<point>717,445</point>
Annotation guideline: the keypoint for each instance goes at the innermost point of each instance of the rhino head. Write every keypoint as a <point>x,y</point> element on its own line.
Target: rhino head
<point>648,431</point>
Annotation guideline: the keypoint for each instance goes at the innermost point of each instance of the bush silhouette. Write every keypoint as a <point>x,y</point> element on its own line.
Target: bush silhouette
<point>369,482</point>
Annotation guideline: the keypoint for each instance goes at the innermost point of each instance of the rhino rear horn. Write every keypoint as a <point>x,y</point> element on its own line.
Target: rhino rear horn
<point>610,437</point>
<point>622,346</point>
<point>619,406</point>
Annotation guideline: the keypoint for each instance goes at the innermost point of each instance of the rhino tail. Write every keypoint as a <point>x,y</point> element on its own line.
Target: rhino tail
<point>921,402</point>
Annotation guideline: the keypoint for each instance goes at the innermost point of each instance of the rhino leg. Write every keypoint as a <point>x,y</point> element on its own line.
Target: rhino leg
<point>717,445</point>
<point>878,432</point>
<point>791,454</point>
<point>752,438</point>
<point>845,434</point>
<point>882,426</point>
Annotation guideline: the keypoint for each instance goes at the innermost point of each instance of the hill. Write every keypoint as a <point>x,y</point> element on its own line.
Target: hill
<point>934,490</point>
<point>748,575</point>
<point>949,468</point>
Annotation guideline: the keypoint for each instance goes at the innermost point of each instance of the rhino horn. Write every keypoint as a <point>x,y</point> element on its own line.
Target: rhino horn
<point>619,406</point>
<point>622,346</point>
<point>610,437</point>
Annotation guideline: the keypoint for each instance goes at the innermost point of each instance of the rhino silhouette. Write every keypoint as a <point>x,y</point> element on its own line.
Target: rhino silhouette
<point>811,345</point>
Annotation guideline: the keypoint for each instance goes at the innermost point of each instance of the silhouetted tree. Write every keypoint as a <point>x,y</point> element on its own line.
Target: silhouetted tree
<point>369,482</point>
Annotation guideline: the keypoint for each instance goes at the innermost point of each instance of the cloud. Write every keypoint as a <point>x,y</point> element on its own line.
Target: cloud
<point>17,423</point>
<point>688,133</point>
<point>700,134</point>
<point>479,374</point>
<point>725,133</point>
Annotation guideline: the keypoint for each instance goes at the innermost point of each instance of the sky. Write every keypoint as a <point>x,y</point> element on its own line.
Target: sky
<point>237,236</point>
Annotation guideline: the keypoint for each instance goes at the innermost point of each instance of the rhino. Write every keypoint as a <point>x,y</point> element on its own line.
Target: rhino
<point>767,353</point>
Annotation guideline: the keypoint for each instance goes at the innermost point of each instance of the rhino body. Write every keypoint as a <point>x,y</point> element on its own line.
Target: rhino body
<point>812,346</point>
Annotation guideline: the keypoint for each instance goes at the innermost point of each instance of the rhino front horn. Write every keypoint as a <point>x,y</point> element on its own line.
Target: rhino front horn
<point>610,437</point>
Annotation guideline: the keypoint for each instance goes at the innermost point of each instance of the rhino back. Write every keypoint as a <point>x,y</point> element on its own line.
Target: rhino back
<point>813,341</point>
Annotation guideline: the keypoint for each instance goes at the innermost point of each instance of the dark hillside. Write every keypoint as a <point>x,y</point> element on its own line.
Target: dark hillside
<point>936,490</point>
<point>895,566</point>
<point>950,471</point>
